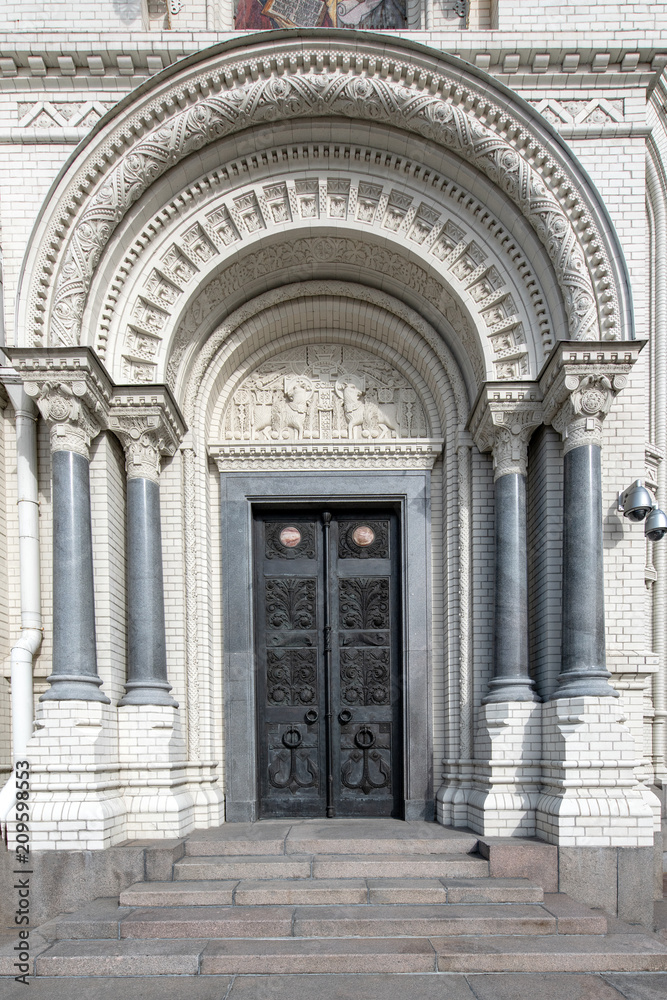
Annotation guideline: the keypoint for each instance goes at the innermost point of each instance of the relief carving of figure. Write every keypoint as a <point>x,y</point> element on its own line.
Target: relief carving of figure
<point>324,392</point>
<point>280,411</point>
<point>365,415</point>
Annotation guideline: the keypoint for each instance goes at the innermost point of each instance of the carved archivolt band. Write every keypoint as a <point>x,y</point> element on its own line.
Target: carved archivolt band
<point>232,96</point>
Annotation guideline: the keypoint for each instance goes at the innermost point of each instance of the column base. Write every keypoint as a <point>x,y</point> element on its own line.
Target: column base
<point>590,796</point>
<point>451,800</point>
<point>148,693</point>
<point>208,796</point>
<point>510,689</point>
<point>75,800</point>
<point>584,684</point>
<point>74,687</point>
<point>508,748</point>
<point>158,799</point>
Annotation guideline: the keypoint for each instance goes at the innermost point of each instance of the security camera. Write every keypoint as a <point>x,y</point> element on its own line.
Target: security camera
<point>635,502</point>
<point>656,525</point>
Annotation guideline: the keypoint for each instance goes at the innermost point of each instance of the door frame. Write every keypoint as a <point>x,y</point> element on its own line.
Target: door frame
<point>409,492</point>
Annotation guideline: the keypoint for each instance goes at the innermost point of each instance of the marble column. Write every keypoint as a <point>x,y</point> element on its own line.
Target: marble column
<point>508,737</point>
<point>577,404</point>
<point>503,421</point>
<point>583,659</point>
<point>511,681</point>
<point>72,398</point>
<point>147,430</point>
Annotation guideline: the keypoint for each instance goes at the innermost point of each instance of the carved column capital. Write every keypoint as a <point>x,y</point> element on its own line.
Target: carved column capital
<point>72,391</point>
<point>503,421</point>
<point>580,381</point>
<point>148,423</point>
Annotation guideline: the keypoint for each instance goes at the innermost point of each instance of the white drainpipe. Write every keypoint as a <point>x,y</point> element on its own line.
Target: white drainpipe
<point>30,639</point>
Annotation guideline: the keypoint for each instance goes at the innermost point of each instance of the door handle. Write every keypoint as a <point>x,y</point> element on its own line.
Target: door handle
<point>344,717</point>
<point>311,716</point>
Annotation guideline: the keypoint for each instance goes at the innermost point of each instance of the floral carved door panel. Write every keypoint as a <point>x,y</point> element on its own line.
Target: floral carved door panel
<point>327,631</point>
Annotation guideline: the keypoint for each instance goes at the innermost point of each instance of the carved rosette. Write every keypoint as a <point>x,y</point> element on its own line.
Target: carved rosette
<point>503,423</point>
<point>580,383</point>
<point>149,425</point>
<point>72,391</point>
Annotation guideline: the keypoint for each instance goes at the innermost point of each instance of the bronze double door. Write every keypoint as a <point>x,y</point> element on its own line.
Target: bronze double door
<point>327,633</point>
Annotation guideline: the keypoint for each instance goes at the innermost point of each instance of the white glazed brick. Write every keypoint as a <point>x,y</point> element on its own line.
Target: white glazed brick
<point>590,795</point>
<point>74,778</point>
<point>508,749</point>
<point>617,168</point>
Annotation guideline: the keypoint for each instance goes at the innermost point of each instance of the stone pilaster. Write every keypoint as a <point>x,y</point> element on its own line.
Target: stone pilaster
<point>508,737</point>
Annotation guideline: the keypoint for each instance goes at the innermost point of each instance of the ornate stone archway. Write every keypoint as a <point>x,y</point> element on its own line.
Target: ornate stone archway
<point>399,84</point>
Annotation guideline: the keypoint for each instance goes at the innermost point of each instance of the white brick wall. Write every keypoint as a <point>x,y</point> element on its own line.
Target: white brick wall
<point>612,154</point>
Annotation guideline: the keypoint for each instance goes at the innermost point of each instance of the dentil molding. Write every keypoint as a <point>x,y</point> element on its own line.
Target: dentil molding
<point>579,384</point>
<point>369,456</point>
<point>72,391</point>
<point>503,421</point>
<point>149,425</point>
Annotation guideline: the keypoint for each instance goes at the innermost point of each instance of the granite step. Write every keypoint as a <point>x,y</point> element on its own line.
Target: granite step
<point>357,836</point>
<point>330,866</point>
<point>421,920</point>
<point>242,867</point>
<point>336,955</point>
<point>365,920</point>
<point>368,837</point>
<point>213,922</point>
<point>399,866</point>
<point>213,892</point>
<point>268,892</point>
<point>555,953</point>
<point>192,956</point>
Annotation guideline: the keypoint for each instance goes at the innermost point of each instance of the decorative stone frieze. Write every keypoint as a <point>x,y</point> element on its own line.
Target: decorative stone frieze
<point>579,383</point>
<point>503,422</point>
<point>311,456</point>
<point>72,391</point>
<point>149,425</point>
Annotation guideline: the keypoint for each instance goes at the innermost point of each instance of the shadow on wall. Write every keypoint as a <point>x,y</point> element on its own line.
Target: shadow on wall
<point>128,11</point>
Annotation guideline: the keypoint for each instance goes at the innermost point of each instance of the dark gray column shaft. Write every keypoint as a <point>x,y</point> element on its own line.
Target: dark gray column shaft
<point>584,669</point>
<point>510,680</point>
<point>74,673</point>
<point>147,656</point>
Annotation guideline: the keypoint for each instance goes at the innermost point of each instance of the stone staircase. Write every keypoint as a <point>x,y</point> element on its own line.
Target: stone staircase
<point>345,896</point>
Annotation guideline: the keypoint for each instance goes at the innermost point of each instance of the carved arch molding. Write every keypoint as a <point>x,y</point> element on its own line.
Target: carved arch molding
<point>316,75</point>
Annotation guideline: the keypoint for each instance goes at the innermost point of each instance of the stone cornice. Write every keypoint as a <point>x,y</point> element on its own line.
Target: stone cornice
<point>502,422</point>
<point>149,424</point>
<point>579,383</point>
<point>72,390</point>
<point>417,454</point>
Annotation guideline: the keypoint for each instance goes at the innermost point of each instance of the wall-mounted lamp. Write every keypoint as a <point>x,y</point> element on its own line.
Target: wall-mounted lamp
<point>637,504</point>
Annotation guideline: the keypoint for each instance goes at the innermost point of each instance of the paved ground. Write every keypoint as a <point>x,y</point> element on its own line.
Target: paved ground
<point>613,986</point>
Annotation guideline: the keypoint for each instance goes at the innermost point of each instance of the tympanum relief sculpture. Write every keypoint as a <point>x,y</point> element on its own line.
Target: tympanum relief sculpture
<point>325,392</point>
